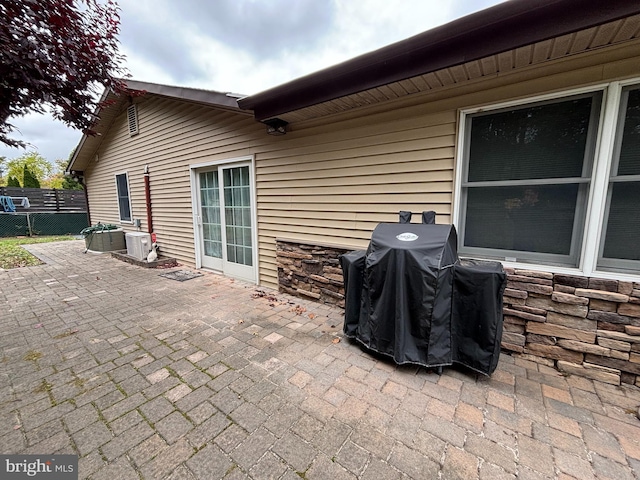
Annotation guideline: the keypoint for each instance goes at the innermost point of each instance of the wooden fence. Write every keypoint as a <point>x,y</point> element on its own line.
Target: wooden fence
<point>48,200</point>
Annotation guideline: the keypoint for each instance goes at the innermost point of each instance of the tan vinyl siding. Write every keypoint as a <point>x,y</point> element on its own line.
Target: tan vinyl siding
<point>335,186</point>
<point>334,181</point>
<point>329,180</point>
<point>173,135</point>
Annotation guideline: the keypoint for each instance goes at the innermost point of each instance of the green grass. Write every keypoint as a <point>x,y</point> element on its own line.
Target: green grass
<point>12,255</point>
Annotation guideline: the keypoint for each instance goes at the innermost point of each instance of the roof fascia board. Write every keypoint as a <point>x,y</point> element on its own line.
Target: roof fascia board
<point>208,97</point>
<point>504,27</point>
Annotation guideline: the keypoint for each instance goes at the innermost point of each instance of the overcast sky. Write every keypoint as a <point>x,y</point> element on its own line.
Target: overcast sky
<point>246,46</point>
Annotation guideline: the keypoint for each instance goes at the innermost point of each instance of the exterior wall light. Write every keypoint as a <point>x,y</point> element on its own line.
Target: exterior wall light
<point>276,126</point>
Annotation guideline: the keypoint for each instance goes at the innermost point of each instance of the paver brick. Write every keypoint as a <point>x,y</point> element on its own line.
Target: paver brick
<point>630,446</point>
<point>403,426</point>
<point>412,462</point>
<point>173,426</point>
<point>60,443</point>
<point>122,407</point>
<point>196,378</point>
<point>142,372</point>
<point>147,449</point>
<point>317,407</point>
<point>111,398</point>
<point>167,460</point>
<point>323,468</point>
<point>353,458</point>
<point>125,441</point>
<point>210,462</point>
<point>505,402</point>
<point>372,441</point>
<point>208,430</point>
<point>559,394</point>
<point>459,464</point>
<point>91,437</point>
<point>530,453</point>
<point>295,451</point>
<point>80,417</point>
<point>13,442</point>
<point>181,473</point>
<point>331,437</point>
<point>268,467</point>
<point>573,465</point>
<point>377,469</point>
<point>120,469</point>
<point>469,417</point>
<point>194,398</point>
<point>444,430</point>
<point>610,469</point>
<point>491,452</point>
<point>559,439</point>
<point>489,471</point>
<point>603,443</point>
<point>249,451</point>
<point>36,435</point>
<point>248,416</point>
<point>90,464</point>
<point>125,422</point>
<point>441,409</point>
<point>429,445</point>
<point>511,420</point>
<point>230,438</point>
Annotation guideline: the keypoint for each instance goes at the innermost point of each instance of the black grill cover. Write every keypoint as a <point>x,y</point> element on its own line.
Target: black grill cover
<point>476,319</point>
<point>410,297</point>
<point>407,287</point>
<point>352,264</point>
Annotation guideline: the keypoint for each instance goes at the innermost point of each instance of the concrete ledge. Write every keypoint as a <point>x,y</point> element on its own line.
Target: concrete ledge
<point>160,262</point>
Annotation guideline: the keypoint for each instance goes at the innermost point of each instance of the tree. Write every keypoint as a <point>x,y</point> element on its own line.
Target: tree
<point>57,54</point>
<point>62,181</point>
<point>36,164</point>
<point>30,181</point>
<point>70,183</point>
<point>13,182</point>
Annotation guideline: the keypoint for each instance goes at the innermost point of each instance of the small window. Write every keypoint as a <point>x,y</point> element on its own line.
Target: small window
<point>132,118</point>
<point>526,180</point>
<point>124,201</point>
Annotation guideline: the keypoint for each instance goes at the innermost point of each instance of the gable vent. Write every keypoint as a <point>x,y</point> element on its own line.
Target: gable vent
<point>132,118</point>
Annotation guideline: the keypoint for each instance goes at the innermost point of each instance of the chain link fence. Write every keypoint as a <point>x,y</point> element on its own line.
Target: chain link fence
<point>42,223</point>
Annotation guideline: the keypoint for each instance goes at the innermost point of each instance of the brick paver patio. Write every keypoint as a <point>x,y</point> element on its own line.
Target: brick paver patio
<point>148,378</point>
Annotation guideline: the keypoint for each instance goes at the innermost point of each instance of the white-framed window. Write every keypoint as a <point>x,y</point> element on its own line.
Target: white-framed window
<point>124,197</point>
<point>553,181</point>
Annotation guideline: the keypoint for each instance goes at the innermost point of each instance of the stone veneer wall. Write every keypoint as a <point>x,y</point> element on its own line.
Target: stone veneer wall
<point>587,326</point>
<point>583,326</point>
<point>310,271</point>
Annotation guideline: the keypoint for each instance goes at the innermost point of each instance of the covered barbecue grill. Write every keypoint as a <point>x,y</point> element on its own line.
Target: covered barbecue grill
<point>408,296</point>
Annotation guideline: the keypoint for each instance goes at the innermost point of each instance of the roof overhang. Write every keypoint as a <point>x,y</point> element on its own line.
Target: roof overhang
<point>205,97</point>
<point>498,29</point>
<point>114,105</point>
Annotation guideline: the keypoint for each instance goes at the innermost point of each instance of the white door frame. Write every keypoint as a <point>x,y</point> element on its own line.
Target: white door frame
<point>194,169</point>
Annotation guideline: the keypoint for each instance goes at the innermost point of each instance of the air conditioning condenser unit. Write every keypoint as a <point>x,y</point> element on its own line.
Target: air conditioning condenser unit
<point>138,245</point>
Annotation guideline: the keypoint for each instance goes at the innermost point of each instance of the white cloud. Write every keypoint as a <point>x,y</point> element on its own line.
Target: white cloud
<point>247,46</point>
<point>49,137</point>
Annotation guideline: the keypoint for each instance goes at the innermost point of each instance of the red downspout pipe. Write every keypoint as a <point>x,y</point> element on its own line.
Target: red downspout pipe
<point>147,196</point>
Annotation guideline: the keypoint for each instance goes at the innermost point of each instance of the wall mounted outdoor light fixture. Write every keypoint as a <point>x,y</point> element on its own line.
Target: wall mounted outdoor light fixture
<point>276,126</point>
